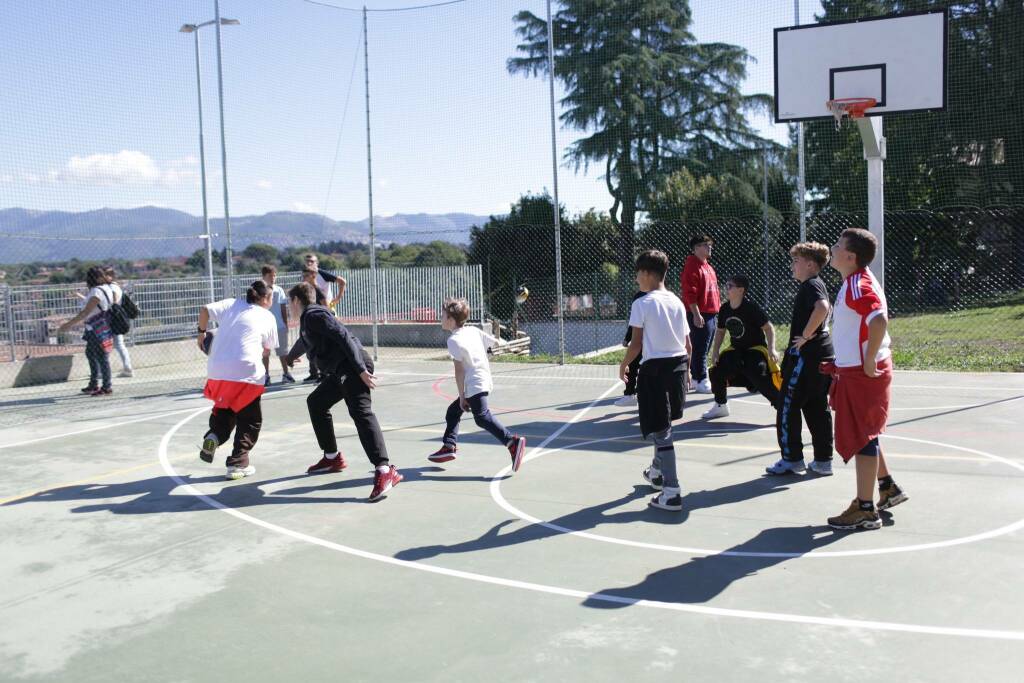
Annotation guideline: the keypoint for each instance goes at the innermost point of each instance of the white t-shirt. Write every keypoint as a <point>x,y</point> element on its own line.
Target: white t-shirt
<point>663,318</point>
<point>860,300</point>
<point>469,345</point>
<point>244,330</point>
<point>105,295</point>
<point>276,301</point>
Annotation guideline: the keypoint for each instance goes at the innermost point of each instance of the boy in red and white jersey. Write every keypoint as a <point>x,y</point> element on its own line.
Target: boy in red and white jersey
<point>861,378</point>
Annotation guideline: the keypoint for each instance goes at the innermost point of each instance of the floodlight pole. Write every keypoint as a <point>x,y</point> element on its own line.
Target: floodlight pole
<point>554,175</point>
<point>369,185</point>
<point>202,172</point>
<point>764,190</point>
<point>223,144</point>
<point>801,178</point>
<point>870,128</point>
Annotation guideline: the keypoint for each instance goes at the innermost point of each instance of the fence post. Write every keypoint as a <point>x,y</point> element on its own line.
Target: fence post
<point>9,306</point>
<point>764,189</point>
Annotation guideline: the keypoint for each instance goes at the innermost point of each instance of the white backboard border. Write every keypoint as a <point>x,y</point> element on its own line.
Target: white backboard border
<point>864,67</point>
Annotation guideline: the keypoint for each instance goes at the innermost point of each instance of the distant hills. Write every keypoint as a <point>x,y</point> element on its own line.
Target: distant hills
<point>152,231</point>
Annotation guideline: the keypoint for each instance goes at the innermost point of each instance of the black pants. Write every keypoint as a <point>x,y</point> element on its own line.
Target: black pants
<point>246,424</point>
<point>804,390</point>
<point>700,338</point>
<point>749,364</point>
<point>481,415</point>
<point>99,360</point>
<point>356,395</point>
<point>632,375</point>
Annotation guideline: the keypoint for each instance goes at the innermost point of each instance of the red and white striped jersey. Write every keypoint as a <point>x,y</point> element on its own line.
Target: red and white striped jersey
<point>859,301</point>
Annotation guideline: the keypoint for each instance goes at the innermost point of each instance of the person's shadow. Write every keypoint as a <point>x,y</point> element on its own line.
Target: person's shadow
<point>156,494</point>
<point>700,579</point>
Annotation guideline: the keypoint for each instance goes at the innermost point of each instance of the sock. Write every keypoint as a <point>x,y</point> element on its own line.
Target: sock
<point>866,504</point>
<point>332,456</point>
<point>885,481</point>
<point>384,468</point>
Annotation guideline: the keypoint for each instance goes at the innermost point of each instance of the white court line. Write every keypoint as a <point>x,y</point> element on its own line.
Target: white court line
<point>836,622</point>
<point>499,498</point>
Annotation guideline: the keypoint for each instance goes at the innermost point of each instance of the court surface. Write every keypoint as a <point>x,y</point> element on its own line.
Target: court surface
<point>124,557</point>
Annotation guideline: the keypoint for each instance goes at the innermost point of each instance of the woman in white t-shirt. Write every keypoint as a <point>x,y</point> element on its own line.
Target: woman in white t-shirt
<point>467,347</point>
<point>246,334</point>
<point>98,338</point>
<point>119,345</point>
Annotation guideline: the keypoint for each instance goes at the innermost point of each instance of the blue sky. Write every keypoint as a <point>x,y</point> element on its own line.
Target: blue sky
<point>100,105</point>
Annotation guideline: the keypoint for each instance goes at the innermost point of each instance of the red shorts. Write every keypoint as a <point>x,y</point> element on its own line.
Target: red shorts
<point>861,404</point>
<point>231,395</point>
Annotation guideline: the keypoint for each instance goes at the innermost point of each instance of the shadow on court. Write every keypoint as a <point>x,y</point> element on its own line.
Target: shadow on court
<point>701,579</point>
<point>603,514</point>
<point>156,494</point>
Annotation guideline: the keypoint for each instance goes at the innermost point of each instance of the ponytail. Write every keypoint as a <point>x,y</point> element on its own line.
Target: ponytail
<point>257,290</point>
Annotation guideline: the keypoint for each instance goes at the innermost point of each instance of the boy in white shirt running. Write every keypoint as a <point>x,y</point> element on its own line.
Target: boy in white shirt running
<point>467,347</point>
<point>659,327</point>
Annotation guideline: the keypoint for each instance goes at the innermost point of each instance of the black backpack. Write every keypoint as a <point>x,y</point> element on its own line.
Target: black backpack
<point>130,309</point>
<point>120,320</point>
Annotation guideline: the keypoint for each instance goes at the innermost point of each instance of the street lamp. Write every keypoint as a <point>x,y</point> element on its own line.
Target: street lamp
<point>194,29</point>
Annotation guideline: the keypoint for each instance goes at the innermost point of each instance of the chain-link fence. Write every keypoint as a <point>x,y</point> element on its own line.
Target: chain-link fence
<point>663,122</point>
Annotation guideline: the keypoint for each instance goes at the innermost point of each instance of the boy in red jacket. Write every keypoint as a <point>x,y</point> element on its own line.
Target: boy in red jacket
<point>698,288</point>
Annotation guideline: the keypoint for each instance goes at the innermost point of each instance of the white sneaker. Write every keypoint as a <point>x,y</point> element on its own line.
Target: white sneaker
<point>821,467</point>
<point>717,410</point>
<point>240,472</point>
<point>626,402</point>
<point>127,372</point>
<point>668,499</point>
<point>786,467</point>
<point>704,386</point>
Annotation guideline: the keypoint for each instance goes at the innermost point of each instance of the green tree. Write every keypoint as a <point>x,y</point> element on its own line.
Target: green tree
<point>652,98</point>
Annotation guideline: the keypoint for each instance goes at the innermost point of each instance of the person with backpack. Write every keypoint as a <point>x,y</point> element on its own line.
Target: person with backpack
<point>116,320</point>
<point>99,338</point>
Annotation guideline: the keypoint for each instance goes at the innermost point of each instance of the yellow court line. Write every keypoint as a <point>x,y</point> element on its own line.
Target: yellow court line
<point>578,439</point>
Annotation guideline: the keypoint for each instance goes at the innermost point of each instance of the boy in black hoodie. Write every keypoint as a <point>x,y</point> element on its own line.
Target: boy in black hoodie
<point>346,374</point>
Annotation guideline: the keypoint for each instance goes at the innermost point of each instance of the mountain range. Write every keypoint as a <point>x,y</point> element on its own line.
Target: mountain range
<point>28,235</point>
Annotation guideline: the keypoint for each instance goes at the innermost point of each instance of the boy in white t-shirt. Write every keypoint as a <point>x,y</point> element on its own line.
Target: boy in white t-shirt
<point>279,309</point>
<point>659,327</point>
<point>245,335</point>
<point>467,347</point>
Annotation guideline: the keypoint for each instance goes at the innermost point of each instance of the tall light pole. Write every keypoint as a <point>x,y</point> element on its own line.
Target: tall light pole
<point>194,30</point>
<point>223,146</point>
<point>369,186</point>
<point>554,177</point>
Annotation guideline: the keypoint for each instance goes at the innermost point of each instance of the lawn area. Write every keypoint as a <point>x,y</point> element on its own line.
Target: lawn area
<point>984,339</point>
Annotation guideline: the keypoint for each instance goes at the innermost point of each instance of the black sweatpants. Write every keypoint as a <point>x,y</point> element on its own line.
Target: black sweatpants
<point>749,364</point>
<point>356,395</point>
<point>246,424</point>
<point>804,390</point>
<point>632,374</point>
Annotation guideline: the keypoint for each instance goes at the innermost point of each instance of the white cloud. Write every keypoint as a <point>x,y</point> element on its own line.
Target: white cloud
<point>127,167</point>
<point>264,184</point>
<point>303,207</point>
<point>6,178</point>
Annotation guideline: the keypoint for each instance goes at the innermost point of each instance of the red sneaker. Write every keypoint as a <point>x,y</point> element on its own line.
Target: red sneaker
<point>443,454</point>
<point>384,482</point>
<point>517,449</point>
<point>328,465</point>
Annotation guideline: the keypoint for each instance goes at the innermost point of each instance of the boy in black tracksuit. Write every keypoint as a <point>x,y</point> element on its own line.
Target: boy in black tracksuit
<point>629,393</point>
<point>804,388</point>
<point>346,374</point>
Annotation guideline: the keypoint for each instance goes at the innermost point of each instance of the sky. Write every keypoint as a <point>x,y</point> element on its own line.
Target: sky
<point>100,106</point>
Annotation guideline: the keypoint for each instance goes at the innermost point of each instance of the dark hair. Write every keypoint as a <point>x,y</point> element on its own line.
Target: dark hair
<point>108,271</point>
<point>862,243</point>
<point>456,309</point>
<point>653,261</point>
<point>267,270</point>
<point>94,277</point>
<point>309,271</point>
<point>700,239</point>
<point>257,290</point>
<point>304,293</point>
<point>741,281</point>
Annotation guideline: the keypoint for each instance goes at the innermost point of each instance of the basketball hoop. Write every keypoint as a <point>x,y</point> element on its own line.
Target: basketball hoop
<point>854,107</point>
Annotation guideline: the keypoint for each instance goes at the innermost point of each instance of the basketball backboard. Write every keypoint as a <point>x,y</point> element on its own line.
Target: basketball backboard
<point>899,60</point>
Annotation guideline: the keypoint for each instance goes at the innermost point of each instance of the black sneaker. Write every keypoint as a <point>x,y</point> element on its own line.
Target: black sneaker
<point>311,379</point>
<point>89,390</point>
<point>266,380</point>
<point>656,481</point>
<point>210,444</point>
<point>668,499</point>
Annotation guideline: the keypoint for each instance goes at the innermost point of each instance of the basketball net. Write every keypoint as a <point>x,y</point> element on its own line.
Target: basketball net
<point>854,107</point>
